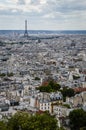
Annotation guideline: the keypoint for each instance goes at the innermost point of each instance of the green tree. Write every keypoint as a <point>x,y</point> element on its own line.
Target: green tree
<point>37,78</point>
<point>67,92</point>
<point>10,74</point>
<point>70,92</point>
<point>20,119</point>
<point>2,74</point>
<point>51,87</point>
<point>43,122</point>
<point>28,122</point>
<point>54,85</point>
<point>61,128</point>
<point>3,125</point>
<point>83,128</point>
<point>77,119</point>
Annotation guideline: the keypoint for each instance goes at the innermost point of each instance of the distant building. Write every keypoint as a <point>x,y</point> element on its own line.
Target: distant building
<point>45,105</point>
<point>4,107</point>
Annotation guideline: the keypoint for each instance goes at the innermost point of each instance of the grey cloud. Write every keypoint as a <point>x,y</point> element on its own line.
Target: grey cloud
<point>52,6</point>
<point>32,2</point>
<point>65,6</point>
<point>35,2</point>
<point>12,11</point>
<point>21,2</point>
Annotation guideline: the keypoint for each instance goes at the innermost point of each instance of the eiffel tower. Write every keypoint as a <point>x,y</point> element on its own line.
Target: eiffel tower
<point>26,32</point>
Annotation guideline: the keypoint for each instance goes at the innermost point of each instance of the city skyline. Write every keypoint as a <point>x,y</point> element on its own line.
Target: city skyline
<point>43,14</point>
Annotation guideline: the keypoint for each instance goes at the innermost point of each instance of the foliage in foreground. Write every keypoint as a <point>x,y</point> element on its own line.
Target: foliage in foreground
<point>24,121</point>
<point>77,119</point>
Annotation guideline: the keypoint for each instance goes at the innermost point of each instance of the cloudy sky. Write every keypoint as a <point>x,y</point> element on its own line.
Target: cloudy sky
<point>43,14</point>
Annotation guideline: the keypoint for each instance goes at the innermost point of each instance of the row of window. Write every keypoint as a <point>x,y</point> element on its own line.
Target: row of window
<point>45,104</point>
<point>45,108</point>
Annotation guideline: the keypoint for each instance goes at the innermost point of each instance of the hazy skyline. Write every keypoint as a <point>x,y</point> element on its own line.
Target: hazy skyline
<point>43,14</point>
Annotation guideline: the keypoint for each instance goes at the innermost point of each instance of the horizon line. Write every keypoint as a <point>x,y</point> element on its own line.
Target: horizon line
<point>43,30</point>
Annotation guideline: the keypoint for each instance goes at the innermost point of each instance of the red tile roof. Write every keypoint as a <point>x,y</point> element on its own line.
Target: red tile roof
<point>79,89</point>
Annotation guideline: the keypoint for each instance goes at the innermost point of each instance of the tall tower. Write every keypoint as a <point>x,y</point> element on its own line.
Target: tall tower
<point>26,33</point>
